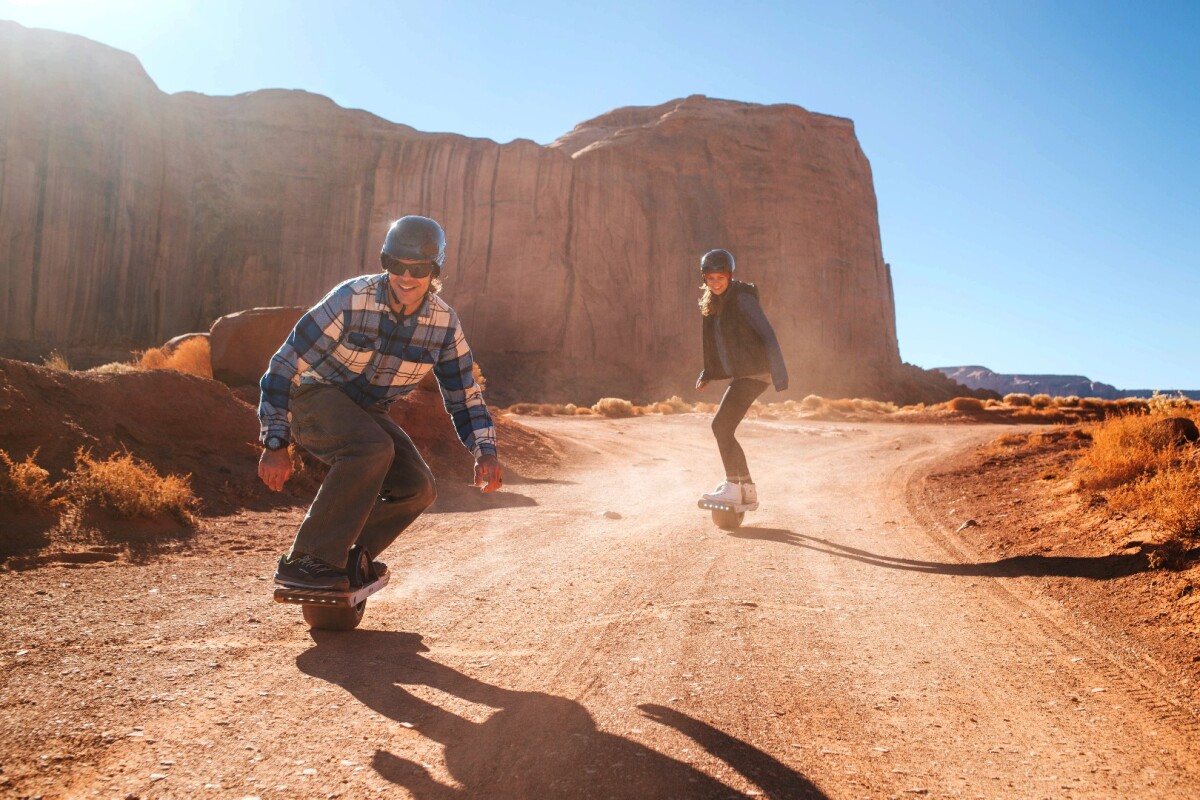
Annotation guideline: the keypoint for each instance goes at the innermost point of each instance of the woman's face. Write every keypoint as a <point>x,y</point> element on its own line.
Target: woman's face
<point>717,282</point>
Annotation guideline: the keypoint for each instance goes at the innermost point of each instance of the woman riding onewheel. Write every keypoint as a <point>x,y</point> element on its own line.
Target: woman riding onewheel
<point>739,346</point>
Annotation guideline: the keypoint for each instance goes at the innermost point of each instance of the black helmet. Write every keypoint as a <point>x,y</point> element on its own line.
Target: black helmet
<point>414,238</point>
<point>717,261</point>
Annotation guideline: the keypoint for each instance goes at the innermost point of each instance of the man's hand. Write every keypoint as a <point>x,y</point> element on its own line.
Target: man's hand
<point>275,467</point>
<point>489,476</point>
<point>701,384</point>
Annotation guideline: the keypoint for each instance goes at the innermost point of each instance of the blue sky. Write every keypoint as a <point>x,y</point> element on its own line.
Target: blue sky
<point>1036,163</point>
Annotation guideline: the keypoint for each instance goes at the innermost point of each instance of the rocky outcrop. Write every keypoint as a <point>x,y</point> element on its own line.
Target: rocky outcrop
<point>243,342</point>
<point>1053,385</point>
<point>131,216</point>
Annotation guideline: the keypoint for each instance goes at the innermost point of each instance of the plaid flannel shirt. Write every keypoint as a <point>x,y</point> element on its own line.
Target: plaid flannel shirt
<point>353,340</point>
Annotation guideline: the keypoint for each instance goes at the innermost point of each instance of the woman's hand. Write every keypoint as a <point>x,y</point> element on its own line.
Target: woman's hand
<point>701,384</point>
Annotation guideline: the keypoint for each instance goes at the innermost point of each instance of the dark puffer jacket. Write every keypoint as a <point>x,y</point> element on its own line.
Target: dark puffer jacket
<point>741,330</point>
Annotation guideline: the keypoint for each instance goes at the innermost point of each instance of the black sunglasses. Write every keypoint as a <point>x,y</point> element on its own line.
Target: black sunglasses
<point>421,269</point>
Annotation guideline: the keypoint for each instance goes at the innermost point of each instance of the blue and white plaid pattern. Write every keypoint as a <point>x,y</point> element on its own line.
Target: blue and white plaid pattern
<point>354,341</point>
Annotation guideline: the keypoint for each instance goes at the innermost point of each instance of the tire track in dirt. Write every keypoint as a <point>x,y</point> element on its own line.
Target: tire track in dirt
<point>1116,662</point>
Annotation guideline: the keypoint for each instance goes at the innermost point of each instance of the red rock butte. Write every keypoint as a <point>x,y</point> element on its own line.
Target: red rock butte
<point>128,216</point>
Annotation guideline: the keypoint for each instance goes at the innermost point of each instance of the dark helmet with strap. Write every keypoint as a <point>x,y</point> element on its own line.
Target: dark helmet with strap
<point>717,261</point>
<point>414,238</point>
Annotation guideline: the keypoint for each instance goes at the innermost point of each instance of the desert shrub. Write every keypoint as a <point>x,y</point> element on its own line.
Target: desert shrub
<point>584,411</point>
<point>875,406</point>
<point>1009,440</point>
<point>678,404</point>
<point>965,404</point>
<point>1125,448</point>
<point>24,484</point>
<point>1171,497</point>
<point>521,408</point>
<point>192,356</point>
<point>1171,554</point>
<point>811,402</point>
<point>613,407</point>
<point>114,368</point>
<point>1018,399</point>
<point>1132,405</point>
<point>1041,401</point>
<point>1068,402</point>
<point>842,405</point>
<point>128,487</point>
<point>1169,405</point>
<point>56,360</point>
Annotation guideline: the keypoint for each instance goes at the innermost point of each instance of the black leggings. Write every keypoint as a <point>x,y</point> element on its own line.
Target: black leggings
<point>738,398</point>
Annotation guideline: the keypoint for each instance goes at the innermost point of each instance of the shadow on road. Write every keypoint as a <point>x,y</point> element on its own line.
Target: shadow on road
<point>533,744</point>
<point>1094,567</point>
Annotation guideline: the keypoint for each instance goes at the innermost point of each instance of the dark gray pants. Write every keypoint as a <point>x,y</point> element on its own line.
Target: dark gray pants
<point>377,485</point>
<point>738,398</point>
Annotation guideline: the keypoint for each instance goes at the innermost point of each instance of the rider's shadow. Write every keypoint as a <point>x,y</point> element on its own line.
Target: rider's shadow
<point>533,744</point>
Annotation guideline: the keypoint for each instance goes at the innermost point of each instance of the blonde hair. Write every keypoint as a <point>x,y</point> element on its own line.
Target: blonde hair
<point>706,301</point>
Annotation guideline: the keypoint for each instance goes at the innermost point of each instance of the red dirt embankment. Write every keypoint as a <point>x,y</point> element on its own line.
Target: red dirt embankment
<point>185,425</point>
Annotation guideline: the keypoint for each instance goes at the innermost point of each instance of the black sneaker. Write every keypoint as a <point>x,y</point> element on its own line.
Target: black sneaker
<point>308,572</point>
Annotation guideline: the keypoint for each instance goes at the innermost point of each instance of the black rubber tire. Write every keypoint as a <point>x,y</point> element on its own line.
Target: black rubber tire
<point>342,619</point>
<point>728,520</point>
<point>334,619</point>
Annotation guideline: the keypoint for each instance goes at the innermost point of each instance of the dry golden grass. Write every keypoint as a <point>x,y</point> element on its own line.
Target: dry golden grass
<point>613,407</point>
<point>1170,497</point>
<point>192,356</point>
<point>56,360</point>
<point>114,368</point>
<point>1038,410</point>
<point>966,404</point>
<point>1125,447</point>
<point>24,484</point>
<point>128,487</point>
<point>1138,462</point>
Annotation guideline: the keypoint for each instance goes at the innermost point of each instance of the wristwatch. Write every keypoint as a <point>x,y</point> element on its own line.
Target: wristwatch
<point>275,443</point>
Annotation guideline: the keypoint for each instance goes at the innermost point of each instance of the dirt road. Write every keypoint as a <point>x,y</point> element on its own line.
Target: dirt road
<point>596,636</point>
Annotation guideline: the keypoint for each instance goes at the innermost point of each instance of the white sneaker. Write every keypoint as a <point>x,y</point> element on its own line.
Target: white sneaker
<point>749,493</point>
<point>725,493</point>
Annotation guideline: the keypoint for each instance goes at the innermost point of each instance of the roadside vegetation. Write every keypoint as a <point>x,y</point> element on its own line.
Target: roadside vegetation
<point>1014,408</point>
<point>192,356</point>
<point>1140,461</point>
<point>121,485</point>
<point>1147,467</point>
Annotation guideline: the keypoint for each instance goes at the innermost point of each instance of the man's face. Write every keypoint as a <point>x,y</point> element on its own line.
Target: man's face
<point>408,289</point>
<point>718,282</point>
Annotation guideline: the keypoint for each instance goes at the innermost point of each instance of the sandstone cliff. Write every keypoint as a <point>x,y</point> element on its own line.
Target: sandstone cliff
<point>128,216</point>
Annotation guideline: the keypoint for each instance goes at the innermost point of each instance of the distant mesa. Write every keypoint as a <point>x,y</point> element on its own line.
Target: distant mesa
<point>1053,385</point>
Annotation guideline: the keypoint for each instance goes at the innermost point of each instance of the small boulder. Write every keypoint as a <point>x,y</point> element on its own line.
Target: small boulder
<point>1175,432</point>
<point>243,342</point>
